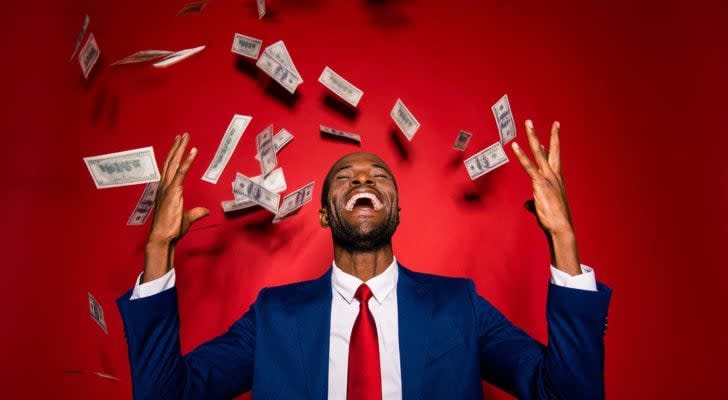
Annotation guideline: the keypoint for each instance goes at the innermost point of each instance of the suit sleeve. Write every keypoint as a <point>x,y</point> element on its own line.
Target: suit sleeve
<point>570,367</point>
<point>219,368</point>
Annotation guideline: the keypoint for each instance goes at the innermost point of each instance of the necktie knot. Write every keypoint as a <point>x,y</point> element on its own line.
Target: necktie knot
<point>363,294</point>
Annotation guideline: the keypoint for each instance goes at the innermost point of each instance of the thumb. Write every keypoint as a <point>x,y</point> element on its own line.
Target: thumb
<point>197,213</point>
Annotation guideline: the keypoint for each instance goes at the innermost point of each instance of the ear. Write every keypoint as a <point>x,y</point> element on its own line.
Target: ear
<point>323,218</point>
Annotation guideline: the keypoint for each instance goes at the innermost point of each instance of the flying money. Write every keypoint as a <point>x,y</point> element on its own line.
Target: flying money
<point>504,119</point>
<point>293,201</point>
<point>246,46</point>
<point>278,72</point>
<point>260,4</point>
<point>178,56</point>
<point>275,182</point>
<point>462,140</point>
<point>97,312</point>
<point>88,55</point>
<point>342,134</point>
<point>234,205</point>
<point>280,139</point>
<point>192,8</point>
<point>131,167</point>
<point>264,144</point>
<point>404,120</point>
<point>144,206</point>
<point>486,160</point>
<point>279,51</point>
<point>143,56</point>
<point>257,193</point>
<point>340,86</point>
<point>84,27</point>
<point>229,142</point>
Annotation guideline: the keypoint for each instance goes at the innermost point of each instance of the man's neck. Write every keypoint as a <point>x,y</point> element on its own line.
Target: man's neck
<point>363,265</point>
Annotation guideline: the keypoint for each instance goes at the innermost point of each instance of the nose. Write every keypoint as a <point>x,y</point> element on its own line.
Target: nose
<point>362,178</point>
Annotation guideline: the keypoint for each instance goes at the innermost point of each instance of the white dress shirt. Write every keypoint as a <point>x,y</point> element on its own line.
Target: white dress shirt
<point>383,305</point>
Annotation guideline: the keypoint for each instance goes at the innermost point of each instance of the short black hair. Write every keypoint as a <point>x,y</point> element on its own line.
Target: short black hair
<point>330,176</point>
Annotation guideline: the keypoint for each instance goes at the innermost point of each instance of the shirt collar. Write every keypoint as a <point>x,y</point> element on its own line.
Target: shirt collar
<point>381,285</point>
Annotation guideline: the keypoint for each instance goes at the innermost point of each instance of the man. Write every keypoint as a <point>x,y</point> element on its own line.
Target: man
<point>369,328</point>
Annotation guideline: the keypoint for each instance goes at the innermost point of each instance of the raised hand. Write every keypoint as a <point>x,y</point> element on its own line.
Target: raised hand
<point>170,221</point>
<point>550,202</point>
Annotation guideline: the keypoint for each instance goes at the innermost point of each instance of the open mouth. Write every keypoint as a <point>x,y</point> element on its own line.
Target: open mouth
<point>364,200</point>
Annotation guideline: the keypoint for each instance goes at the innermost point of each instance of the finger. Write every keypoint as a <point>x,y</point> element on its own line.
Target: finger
<point>170,154</point>
<point>174,162</point>
<point>179,177</point>
<point>525,162</point>
<point>538,154</point>
<point>191,216</point>
<point>554,156</point>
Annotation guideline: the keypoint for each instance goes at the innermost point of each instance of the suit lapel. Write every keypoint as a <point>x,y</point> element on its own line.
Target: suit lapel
<point>312,307</point>
<point>414,304</point>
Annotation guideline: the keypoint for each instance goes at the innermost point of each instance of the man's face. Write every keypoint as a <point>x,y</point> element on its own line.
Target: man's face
<point>362,206</point>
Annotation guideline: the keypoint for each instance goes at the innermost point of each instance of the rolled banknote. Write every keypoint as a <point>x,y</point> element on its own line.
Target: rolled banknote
<point>257,193</point>
<point>486,160</point>
<point>504,119</point>
<point>131,167</point>
<point>178,56</point>
<point>144,206</point>
<point>293,201</point>
<point>279,72</point>
<point>279,141</point>
<point>227,146</point>
<point>143,56</point>
<point>264,144</point>
<point>246,46</point>
<point>340,86</point>
<point>461,142</point>
<point>88,55</point>
<point>404,119</point>
<point>97,312</point>
<point>79,38</point>
<point>342,134</point>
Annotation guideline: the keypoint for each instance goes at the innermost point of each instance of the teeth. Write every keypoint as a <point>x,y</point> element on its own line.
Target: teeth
<point>375,201</point>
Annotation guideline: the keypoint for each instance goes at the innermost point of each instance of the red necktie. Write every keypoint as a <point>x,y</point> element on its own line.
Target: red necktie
<point>365,379</point>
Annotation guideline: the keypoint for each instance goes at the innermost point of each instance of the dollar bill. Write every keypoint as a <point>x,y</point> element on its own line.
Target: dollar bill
<point>264,144</point>
<point>280,139</point>
<point>192,8</point>
<point>142,56</point>
<point>144,206</point>
<point>229,142</point>
<point>486,160</point>
<point>97,312</point>
<point>260,4</point>
<point>275,182</point>
<point>279,72</point>
<point>178,56</point>
<point>88,55</point>
<point>257,193</point>
<point>342,134</point>
<point>404,119</point>
<point>504,118</point>
<point>461,142</point>
<point>246,46</point>
<point>234,205</point>
<point>340,86</point>
<point>131,167</point>
<point>294,201</point>
<point>279,51</point>
<point>81,34</point>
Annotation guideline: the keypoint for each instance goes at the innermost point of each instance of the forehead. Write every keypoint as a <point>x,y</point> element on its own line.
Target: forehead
<point>359,160</point>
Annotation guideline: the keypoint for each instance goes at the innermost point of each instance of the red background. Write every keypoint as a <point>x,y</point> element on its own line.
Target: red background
<point>637,90</point>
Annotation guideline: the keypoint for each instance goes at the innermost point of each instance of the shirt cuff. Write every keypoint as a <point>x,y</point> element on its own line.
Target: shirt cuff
<point>584,281</point>
<point>151,288</point>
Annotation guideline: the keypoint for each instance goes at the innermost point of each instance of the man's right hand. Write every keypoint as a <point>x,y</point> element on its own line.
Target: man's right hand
<point>170,221</point>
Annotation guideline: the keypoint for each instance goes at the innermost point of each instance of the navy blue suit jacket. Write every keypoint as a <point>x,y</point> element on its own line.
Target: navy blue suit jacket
<point>450,338</point>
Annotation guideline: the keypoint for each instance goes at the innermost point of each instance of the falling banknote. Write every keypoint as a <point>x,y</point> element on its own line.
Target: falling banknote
<point>293,201</point>
<point>504,118</point>
<point>88,55</point>
<point>81,34</point>
<point>486,160</point>
<point>143,56</point>
<point>264,144</point>
<point>275,182</point>
<point>276,62</point>
<point>246,46</point>
<point>144,206</point>
<point>131,167</point>
<point>462,140</point>
<point>229,141</point>
<point>178,56</point>
<point>257,193</point>
<point>341,134</point>
<point>404,119</point>
<point>279,141</point>
<point>340,86</point>
<point>97,312</point>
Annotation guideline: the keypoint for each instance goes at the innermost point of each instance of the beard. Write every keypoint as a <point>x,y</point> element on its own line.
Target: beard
<point>355,241</point>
